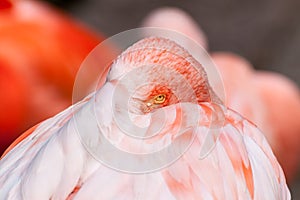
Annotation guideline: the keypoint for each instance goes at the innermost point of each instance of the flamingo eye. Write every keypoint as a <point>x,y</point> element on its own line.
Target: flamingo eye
<point>159,99</point>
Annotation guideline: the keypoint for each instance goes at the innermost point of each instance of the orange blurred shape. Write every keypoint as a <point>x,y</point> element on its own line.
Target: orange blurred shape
<point>41,50</point>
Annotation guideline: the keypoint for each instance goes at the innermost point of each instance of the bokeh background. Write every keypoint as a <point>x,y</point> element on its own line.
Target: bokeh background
<point>266,32</point>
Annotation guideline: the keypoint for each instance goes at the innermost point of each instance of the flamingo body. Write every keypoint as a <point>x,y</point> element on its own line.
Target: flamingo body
<point>55,160</point>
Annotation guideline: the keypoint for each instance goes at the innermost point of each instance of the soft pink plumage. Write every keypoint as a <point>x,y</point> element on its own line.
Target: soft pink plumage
<point>52,163</point>
<point>268,99</point>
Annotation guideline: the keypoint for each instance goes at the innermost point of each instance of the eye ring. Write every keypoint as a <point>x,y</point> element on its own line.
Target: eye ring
<point>159,99</point>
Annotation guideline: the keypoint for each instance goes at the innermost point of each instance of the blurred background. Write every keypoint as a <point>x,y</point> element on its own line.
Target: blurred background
<point>265,32</point>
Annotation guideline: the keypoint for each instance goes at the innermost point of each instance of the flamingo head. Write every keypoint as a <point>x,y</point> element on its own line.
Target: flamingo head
<point>157,72</point>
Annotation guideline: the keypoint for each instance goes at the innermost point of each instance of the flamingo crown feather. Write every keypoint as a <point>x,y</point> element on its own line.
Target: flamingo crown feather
<point>164,54</point>
<point>53,161</point>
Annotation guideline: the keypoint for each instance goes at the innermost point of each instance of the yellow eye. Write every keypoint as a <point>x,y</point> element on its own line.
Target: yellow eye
<point>159,99</point>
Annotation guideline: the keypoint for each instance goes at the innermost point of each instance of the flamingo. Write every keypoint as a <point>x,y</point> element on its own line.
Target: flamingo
<point>249,92</point>
<point>107,146</point>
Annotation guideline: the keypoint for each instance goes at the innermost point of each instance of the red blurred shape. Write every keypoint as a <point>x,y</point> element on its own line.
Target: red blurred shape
<point>41,50</point>
<point>4,4</point>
